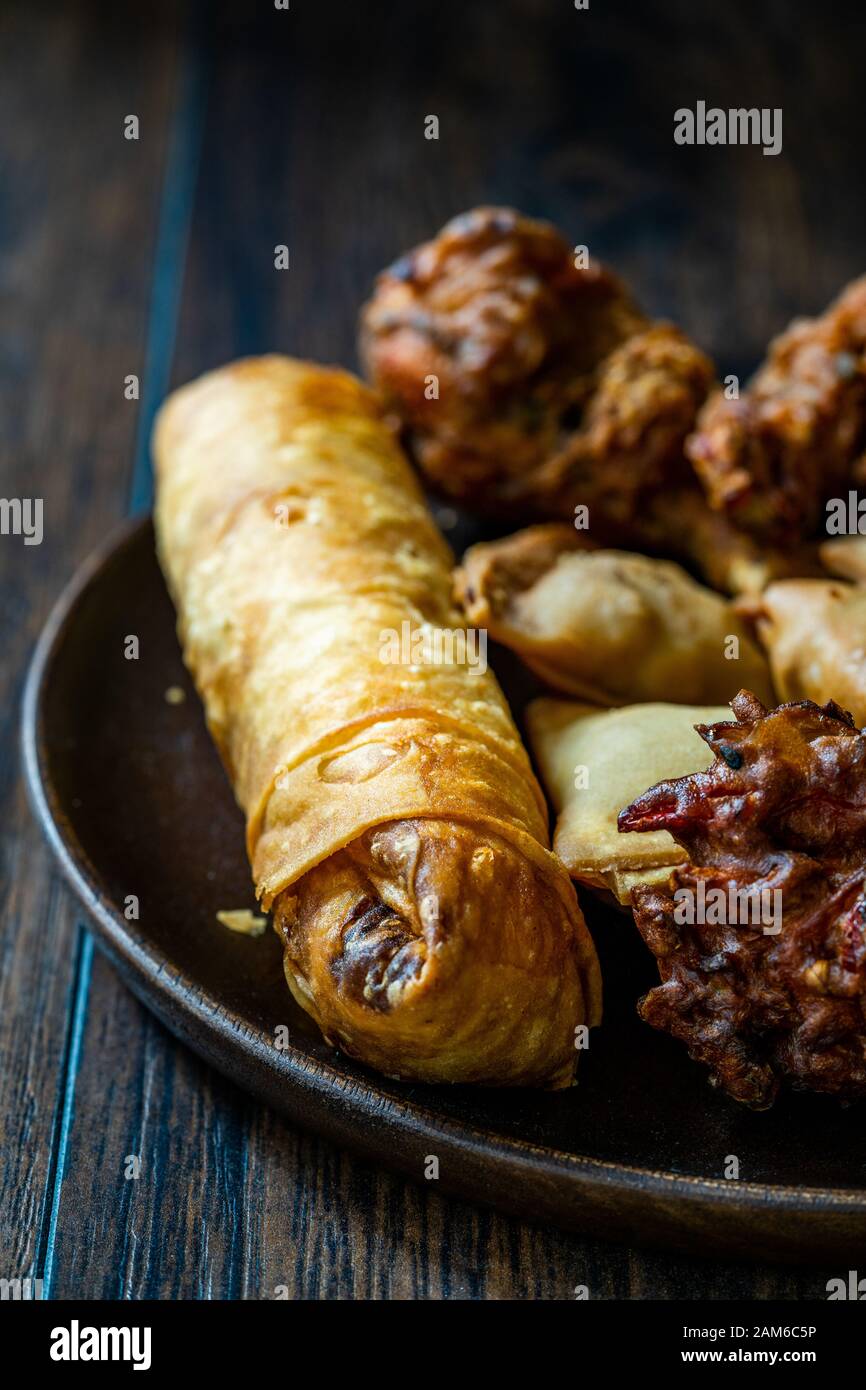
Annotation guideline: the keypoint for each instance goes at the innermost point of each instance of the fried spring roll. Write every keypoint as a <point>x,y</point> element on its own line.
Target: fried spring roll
<point>394,826</point>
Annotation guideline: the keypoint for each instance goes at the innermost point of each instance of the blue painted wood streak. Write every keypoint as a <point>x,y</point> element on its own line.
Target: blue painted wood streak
<point>68,1075</point>
<point>175,217</point>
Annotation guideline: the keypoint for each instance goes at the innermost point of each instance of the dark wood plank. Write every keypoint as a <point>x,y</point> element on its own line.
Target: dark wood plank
<point>180,1229</point>
<point>315,138</point>
<point>232,1202</point>
<point>74,305</point>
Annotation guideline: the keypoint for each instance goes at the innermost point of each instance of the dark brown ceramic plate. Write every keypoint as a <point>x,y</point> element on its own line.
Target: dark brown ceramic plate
<point>132,797</point>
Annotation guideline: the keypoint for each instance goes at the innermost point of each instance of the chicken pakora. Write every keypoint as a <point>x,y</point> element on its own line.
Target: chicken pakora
<point>526,382</point>
<point>778,820</point>
<point>796,437</point>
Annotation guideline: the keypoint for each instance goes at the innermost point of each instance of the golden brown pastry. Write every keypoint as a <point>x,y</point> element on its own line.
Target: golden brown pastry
<point>607,626</point>
<point>845,556</point>
<point>528,383</point>
<point>393,823</point>
<point>592,761</point>
<point>814,631</point>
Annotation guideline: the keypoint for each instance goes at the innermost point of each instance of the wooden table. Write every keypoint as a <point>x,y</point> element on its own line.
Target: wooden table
<point>155,257</point>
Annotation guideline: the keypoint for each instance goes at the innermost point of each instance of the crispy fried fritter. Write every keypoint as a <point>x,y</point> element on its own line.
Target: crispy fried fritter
<point>628,446</point>
<point>781,809</point>
<point>796,436</point>
<point>524,382</point>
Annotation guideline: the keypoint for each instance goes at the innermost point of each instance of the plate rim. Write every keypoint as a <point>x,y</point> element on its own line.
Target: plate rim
<point>136,957</point>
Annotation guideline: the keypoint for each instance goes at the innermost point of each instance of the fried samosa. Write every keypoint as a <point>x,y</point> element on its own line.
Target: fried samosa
<point>607,626</point>
<point>592,762</point>
<point>394,826</point>
<point>845,556</point>
<point>814,631</point>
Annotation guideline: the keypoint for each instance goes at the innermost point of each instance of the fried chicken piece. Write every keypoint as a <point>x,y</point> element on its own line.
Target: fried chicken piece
<point>527,384</point>
<point>628,447</point>
<point>607,626</point>
<point>796,436</point>
<point>680,523</point>
<point>781,809</point>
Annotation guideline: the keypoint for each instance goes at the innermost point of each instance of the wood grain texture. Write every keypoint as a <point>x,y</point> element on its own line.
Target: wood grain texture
<point>232,1202</point>
<point>72,235</point>
<point>314,137</point>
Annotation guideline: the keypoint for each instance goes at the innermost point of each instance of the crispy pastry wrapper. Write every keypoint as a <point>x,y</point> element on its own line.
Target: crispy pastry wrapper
<point>814,631</point>
<point>614,752</point>
<point>845,556</point>
<point>295,541</point>
<point>607,626</point>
